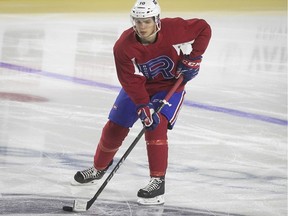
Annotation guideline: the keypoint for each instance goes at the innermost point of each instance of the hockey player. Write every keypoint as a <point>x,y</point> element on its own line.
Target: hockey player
<point>148,62</point>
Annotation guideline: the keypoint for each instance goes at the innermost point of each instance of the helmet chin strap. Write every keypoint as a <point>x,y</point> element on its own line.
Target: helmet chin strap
<point>151,35</point>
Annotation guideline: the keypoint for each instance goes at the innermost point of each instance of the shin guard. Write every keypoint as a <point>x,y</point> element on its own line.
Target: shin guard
<point>157,148</point>
<point>111,139</point>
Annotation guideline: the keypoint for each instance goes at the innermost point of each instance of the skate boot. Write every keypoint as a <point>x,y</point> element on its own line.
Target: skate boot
<point>89,176</point>
<point>153,193</point>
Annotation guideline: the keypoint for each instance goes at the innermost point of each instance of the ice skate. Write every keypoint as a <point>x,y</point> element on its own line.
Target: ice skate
<point>153,193</point>
<point>89,176</point>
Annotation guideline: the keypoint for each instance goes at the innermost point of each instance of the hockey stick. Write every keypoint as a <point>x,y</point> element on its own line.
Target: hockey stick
<point>80,206</point>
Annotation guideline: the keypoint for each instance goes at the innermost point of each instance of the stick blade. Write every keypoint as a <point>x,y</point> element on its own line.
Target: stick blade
<point>80,206</point>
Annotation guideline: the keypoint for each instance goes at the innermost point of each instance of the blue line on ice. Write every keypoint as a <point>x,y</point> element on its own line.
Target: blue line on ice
<point>224,110</point>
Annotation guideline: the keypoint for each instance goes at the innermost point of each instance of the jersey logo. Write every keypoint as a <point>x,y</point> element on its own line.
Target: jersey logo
<point>160,65</point>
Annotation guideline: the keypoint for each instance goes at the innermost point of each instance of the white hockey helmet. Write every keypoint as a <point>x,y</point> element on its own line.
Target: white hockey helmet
<point>145,9</point>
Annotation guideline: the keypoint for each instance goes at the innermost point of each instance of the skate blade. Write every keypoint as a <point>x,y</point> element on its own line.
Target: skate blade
<point>158,200</point>
<point>75,183</point>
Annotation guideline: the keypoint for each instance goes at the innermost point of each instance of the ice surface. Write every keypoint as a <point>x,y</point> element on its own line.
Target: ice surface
<point>227,153</point>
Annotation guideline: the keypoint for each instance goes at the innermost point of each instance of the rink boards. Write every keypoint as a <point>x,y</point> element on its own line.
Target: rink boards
<point>44,6</point>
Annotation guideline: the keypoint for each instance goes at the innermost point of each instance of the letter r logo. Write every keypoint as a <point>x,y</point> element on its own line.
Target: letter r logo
<point>160,65</point>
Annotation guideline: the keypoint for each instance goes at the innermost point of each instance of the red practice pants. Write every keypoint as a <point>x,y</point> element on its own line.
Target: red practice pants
<point>113,136</point>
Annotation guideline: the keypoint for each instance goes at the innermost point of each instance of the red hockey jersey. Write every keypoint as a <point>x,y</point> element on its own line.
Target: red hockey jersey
<point>144,70</point>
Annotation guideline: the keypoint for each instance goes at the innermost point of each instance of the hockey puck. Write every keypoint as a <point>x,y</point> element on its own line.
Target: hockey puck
<point>67,208</point>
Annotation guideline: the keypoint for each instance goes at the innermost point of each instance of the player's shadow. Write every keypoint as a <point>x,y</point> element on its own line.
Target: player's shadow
<point>28,204</point>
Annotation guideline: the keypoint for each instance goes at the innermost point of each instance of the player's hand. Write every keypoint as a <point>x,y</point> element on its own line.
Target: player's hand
<point>150,119</point>
<point>188,67</point>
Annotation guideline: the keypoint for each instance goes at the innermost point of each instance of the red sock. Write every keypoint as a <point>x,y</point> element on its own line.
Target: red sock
<point>111,139</point>
<point>157,156</point>
<point>157,148</point>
